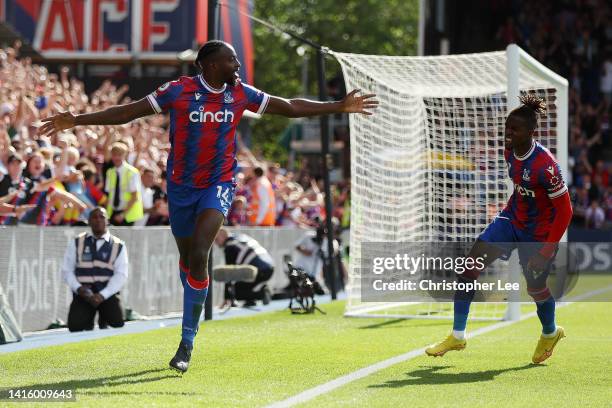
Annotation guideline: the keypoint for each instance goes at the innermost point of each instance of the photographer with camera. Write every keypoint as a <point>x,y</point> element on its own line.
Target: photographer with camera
<point>240,249</point>
<point>312,252</point>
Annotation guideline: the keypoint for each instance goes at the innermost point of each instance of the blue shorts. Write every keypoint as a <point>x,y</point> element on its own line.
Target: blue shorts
<point>504,235</point>
<point>186,203</point>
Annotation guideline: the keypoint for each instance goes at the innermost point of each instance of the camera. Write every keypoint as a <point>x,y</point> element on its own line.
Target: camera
<point>302,289</point>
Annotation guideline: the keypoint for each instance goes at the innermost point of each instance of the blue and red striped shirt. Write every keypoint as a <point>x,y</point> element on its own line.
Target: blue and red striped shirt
<point>203,124</point>
<point>537,181</point>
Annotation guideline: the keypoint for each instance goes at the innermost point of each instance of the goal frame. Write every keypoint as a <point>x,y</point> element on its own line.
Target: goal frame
<point>516,59</point>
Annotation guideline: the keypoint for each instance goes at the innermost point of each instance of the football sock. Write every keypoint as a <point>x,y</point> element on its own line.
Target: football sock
<point>545,304</point>
<point>462,301</point>
<point>194,296</point>
<point>546,313</point>
<point>459,334</point>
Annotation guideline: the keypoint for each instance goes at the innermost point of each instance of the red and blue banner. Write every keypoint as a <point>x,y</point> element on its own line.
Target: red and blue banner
<point>127,29</point>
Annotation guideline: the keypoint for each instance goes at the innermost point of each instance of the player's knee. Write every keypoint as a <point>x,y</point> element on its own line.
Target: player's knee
<point>464,295</point>
<point>535,279</point>
<point>470,274</point>
<point>198,260</point>
<point>198,265</point>
<point>539,294</point>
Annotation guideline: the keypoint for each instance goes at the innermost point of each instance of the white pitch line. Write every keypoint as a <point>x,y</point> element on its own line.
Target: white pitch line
<point>314,392</point>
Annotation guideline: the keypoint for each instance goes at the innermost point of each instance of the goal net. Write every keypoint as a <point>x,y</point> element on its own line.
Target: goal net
<point>428,166</point>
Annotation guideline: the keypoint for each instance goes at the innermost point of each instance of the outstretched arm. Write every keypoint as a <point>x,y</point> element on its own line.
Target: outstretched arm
<point>297,108</point>
<point>115,115</point>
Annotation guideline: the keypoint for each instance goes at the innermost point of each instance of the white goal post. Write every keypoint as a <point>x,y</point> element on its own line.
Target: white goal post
<point>428,166</point>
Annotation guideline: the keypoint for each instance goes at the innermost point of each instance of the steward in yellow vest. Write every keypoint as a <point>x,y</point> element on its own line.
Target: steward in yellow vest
<point>124,204</point>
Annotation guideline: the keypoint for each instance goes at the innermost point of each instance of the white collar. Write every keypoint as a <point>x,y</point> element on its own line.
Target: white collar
<point>106,236</point>
<point>526,155</point>
<point>210,88</point>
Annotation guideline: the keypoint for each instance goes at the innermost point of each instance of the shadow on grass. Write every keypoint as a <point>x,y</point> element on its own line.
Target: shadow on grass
<point>140,377</point>
<point>391,322</point>
<point>432,376</point>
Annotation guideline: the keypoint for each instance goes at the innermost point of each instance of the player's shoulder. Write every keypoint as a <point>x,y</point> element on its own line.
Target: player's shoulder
<point>243,86</point>
<point>544,156</point>
<point>182,83</point>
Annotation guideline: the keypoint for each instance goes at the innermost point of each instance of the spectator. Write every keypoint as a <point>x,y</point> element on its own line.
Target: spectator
<point>160,203</point>
<point>607,205</point>
<point>147,193</point>
<point>597,188</point>
<point>262,206</point>
<point>95,194</point>
<point>11,181</point>
<point>238,212</point>
<point>5,150</point>
<point>42,194</point>
<point>123,189</point>
<point>600,171</point>
<point>580,203</point>
<point>595,216</point>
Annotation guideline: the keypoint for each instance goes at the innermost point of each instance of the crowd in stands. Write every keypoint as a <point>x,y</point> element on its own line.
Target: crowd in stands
<point>57,180</point>
<point>574,39</point>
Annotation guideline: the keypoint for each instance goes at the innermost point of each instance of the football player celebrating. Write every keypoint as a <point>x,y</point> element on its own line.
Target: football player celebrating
<point>538,212</point>
<point>204,112</point>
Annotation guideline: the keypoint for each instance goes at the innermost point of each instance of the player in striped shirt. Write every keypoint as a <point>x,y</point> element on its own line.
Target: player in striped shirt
<point>204,112</point>
<point>534,220</point>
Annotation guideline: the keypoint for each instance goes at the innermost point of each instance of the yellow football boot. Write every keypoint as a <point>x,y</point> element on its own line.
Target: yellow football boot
<point>546,345</point>
<point>448,344</point>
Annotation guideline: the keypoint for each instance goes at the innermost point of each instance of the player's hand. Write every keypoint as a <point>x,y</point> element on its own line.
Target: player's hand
<point>57,123</point>
<point>537,263</point>
<point>353,103</point>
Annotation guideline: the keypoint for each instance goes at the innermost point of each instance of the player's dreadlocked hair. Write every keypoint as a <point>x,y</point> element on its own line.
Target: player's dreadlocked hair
<point>209,48</point>
<point>531,107</point>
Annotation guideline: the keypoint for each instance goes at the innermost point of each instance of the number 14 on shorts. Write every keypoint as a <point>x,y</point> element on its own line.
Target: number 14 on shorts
<point>223,193</point>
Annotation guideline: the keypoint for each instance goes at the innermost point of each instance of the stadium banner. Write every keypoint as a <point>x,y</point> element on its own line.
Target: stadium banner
<point>127,29</point>
<point>31,259</point>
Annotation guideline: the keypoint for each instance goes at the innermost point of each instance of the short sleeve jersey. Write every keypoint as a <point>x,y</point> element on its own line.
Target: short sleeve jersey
<point>203,124</point>
<point>537,181</point>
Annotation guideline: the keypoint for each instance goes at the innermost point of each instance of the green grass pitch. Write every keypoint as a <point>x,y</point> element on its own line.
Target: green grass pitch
<point>259,360</point>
